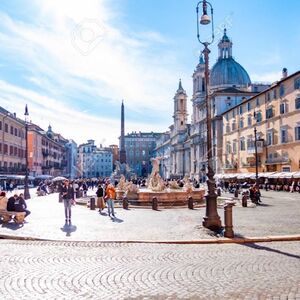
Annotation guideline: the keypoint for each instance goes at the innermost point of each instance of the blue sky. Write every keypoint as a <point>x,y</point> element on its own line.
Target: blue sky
<point>73,61</point>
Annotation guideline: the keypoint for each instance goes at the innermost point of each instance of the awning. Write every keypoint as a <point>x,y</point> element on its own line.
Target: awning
<point>296,175</point>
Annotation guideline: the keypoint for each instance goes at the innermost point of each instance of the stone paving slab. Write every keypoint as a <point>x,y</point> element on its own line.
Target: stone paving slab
<point>278,216</point>
<point>94,270</point>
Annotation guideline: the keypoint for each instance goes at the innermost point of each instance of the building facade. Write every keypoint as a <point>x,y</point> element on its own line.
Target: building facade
<point>94,162</point>
<point>163,151</point>
<point>229,86</point>
<point>71,159</point>
<point>179,136</point>
<point>275,115</point>
<point>46,155</point>
<point>12,144</point>
<point>139,147</point>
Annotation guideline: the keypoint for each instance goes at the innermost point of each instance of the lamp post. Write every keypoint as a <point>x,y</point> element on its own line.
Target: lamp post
<point>26,188</point>
<point>211,219</point>
<point>256,159</point>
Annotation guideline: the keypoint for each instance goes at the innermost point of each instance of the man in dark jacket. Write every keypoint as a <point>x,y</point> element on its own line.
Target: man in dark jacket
<point>11,203</point>
<point>68,197</point>
<point>21,206</point>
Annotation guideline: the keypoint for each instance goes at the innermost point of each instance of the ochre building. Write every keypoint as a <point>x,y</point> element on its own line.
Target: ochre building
<point>275,115</point>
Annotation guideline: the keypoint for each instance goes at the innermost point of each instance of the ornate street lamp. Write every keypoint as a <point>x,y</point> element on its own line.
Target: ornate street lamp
<point>26,188</point>
<point>211,219</point>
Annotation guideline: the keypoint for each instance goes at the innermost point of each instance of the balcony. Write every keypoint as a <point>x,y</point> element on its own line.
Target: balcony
<point>250,164</point>
<point>230,167</point>
<point>279,160</point>
<point>46,167</point>
<point>252,150</point>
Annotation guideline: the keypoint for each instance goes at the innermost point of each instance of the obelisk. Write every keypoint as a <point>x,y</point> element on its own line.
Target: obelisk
<point>122,153</point>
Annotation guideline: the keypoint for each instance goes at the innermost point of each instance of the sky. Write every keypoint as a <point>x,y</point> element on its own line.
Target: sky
<point>74,61</point>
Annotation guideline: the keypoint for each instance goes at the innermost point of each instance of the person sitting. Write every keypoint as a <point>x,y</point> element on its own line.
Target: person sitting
<point>20,205</point>
<point>11,203</point>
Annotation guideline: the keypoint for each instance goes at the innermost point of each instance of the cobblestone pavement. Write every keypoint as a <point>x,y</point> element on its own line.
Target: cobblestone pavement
<point>92,270</point>
<point>279,215</point>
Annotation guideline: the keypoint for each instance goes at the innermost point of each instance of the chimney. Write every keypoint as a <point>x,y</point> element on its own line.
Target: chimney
<point>15,115</point>
<point>284,73</point>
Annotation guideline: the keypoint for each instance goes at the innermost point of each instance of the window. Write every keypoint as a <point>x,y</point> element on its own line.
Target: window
<point>228,148</point>
<point>249,121</point>
<point>227,128</point>
<point>283,108</point>
<point>233,113</point>
<point>0,125</point>
<point>6,127</point>
<point>297,103</point>
<point>249,106</point>
<point>283,135</point>
<point>241,123</point>
<point>11,130</point>
<point>270,137</point>
<point>233,125</point>
<point>281,90</point>
<point>242,144</point>
<point>0,148</point>
<point>269,113</point>
<point>297,133</point>
<point>268,97</point>
<point>234,147</point>
<point>241,109</point>
<point>11,150</point>
<point>274,93</point>
<point>297,83</point>
<point>258,117</point>
<point>257,102</point>
<point>16,132</point>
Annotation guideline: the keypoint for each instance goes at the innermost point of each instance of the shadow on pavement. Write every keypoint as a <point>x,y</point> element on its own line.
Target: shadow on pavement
<point>117,220</point>
<point>260,247</point>
<point>68,229</point>
<point>12,225</point>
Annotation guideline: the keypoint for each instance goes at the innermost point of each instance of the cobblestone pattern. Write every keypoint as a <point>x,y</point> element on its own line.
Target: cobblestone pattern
<point>91,270</point>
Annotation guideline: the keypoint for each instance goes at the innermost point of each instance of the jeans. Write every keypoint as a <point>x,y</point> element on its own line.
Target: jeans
<point>67,204</point>
<point>110,206</point>
<point>27,212</point>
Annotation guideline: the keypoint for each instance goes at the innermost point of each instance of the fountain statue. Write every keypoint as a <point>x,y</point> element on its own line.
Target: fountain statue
<point>187,184</point>
<point>155,182</point>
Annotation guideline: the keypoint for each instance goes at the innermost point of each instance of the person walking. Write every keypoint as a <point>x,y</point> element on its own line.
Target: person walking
<point>100,199</point>
<point>110,194</point>
<point>68,198</point>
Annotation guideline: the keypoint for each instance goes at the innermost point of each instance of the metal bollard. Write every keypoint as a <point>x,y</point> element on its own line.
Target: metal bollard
<point>92,204</point>
<point>236,193</point>
<point>244,200</point>
<point>60,198</point>
<point>125,203</point>
<point>154,203</point>
<point>190,202</point>
<point>228,219</point>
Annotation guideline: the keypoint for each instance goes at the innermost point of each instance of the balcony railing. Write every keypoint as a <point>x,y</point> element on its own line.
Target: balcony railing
<point>278,160</point>
<point>251,150</point>
<point>229,167</point>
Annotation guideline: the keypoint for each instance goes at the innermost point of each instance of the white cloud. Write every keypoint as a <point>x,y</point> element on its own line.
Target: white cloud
<point>71,123</point>
<point>72,48</point>
<point>266,77</point>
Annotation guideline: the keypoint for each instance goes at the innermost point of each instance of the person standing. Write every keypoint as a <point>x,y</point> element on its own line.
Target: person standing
<point>110,194</point>
<point>100,195</point>
<point>68,198</point>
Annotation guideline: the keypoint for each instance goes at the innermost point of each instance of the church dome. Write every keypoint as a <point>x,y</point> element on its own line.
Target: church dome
<point>229,72</point>
<point>226,71</point>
